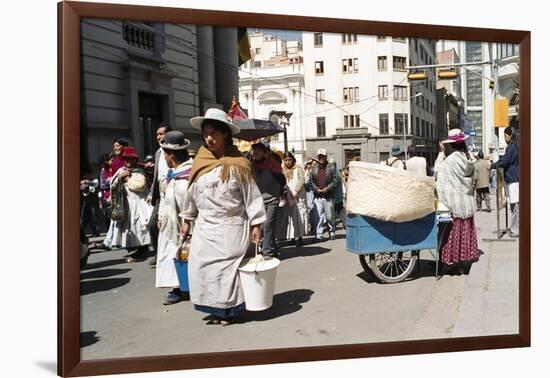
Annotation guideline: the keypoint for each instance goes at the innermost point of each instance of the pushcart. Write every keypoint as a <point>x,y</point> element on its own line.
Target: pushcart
<point>391,250</point>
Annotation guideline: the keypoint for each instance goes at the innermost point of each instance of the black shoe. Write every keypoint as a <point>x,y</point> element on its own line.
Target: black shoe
<point>153,261</point>
<point>175,296</point>
<point>332,237</point>
<point>298,242</point>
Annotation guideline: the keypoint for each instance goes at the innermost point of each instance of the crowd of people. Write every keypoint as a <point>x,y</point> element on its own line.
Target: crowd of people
<point>223,201</point>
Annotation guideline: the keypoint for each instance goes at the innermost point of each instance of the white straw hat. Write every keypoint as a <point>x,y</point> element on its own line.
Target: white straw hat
<point>215,115</point>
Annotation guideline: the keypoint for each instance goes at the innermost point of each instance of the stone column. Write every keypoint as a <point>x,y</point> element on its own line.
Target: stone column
<point>227,60</point>
<point>206,67</point>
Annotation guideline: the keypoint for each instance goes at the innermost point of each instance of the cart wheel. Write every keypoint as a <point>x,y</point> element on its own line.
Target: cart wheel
<point>363,259</point>
<point>391,267</point>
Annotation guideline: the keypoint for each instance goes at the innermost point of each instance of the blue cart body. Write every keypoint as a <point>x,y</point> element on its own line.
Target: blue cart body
<point>366,235</point>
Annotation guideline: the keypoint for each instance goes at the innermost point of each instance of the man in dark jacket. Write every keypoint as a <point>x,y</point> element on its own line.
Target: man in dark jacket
<point>323,180</point>
<point>271,182</point>
<point>510,163</point>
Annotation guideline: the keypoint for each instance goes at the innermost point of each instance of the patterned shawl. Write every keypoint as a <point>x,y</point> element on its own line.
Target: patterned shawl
<point>455,185</point>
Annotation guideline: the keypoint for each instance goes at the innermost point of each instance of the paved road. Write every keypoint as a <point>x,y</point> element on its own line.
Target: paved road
<point>323,297</point>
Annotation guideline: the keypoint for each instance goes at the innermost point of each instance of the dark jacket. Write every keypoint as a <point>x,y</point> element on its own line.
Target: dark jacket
<point>270,181</point>
<point>331,180</point>
<point>155,190</point>
<point>510,163</point>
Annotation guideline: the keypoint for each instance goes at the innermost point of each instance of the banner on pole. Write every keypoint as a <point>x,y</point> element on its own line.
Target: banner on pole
<point>501,112</point>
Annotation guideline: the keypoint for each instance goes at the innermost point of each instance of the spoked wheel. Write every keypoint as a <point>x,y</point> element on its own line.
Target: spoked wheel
<point>390,267</point>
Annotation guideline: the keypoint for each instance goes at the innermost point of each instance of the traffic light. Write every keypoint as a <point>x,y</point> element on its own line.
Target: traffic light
<point>416,76</point>
<point>491,84</point>
<point>446,74</point>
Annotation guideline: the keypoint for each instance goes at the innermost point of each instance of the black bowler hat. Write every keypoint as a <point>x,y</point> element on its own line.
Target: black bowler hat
<point>175,140</point>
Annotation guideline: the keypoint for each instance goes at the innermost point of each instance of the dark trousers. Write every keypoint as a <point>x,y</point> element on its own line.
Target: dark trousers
<point>341,213</point>
<point>89,216</point>
<point>481,195</point>
<point>153,227</point>
<point>269,247</point>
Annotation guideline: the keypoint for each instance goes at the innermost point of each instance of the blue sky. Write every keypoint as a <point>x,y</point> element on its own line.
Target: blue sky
<point>289,35</point>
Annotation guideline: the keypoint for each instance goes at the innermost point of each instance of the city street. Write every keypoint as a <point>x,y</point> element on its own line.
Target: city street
<point>323,297</point>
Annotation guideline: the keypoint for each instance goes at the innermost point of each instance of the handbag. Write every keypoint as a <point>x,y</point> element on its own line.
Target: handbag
<point>118,203</point>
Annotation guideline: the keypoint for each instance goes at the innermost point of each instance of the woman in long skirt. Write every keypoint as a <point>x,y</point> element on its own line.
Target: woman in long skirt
<point>172,195</point>
<point>455,188</point>
<point>296,218</point>
<point>227,207</point>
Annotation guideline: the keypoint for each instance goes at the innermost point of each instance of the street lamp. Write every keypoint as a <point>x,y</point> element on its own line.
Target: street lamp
<point>405,127</point>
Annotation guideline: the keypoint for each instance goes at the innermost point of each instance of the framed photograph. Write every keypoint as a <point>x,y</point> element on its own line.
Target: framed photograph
<point>362,102</point>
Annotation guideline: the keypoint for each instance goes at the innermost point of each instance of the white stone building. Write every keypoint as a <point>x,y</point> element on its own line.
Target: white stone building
<point>271,86</point>
<point>358,99</point>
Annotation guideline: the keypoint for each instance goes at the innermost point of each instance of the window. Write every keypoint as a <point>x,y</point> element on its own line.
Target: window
<point>401,123</point>
<point>474,52</point>
<point>350,65</point>
<point>382,92</point>
<point>357,121</point>
<point>399,39</point>
<point>400,92</point>
<point>474,90</point>
<point>319,68</point>
<point>351,121</point>
<point>382,63</point>
<point>351,94</point>
<point>257,50</point>
<point>417,131</point>
<point>383,124</point>
<point>257,64</point>
<point>318,39</point>
<point>416,45</point>
<point>320,95</point>
<point>423,129</point>
<point>505,50</point>
<point>349,38</point>
<point>399,63</point>
<point>380,37</point>
<point>321,127</point>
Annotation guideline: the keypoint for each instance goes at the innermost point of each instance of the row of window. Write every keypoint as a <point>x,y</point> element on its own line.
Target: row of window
<point>351,94</point>
<point>421,128</point>
<point>350,65</point>
<point>422,53</point>
<point>348,38</point>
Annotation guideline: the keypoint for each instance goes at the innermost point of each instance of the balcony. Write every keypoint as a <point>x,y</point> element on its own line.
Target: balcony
<point>139,36</point>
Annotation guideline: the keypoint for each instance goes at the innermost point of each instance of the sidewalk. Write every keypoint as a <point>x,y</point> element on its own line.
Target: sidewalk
<point>490,304</point>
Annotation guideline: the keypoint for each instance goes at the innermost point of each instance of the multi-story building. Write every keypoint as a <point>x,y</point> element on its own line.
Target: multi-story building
<point>448,113</point>
<point>137,75</point>
<point>475,88</point>
<point>271,86</point>
<point>358,99</point>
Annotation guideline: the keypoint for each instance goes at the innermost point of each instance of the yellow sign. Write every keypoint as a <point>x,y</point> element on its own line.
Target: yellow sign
<point>501,112</point>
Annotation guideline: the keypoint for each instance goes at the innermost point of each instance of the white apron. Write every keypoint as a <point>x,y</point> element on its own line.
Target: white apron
<point>171,204</point>
<point>223,214</point>
<point>133,232</point>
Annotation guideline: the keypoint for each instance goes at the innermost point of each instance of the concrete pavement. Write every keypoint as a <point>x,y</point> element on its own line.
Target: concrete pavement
<point>323,297</point>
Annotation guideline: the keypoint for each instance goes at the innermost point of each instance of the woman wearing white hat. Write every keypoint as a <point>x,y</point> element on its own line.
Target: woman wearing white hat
<point>227,207</point>
<point>173,189</point>
<point>455,188</point>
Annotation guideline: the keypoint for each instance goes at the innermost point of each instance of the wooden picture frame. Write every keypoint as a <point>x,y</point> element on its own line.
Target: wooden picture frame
<point>69,362</point>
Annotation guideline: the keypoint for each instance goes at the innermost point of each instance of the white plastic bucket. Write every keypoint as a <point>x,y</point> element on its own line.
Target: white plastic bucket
<point>258,281</point>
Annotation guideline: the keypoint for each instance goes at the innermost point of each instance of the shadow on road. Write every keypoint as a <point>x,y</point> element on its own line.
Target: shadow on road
<point>367,276</point>
<point>103,264</point>
<point>104,273</point>
<point>283,304</point>
<point>89,287</point>
<point>305,251</point>
<point>88,338</point>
